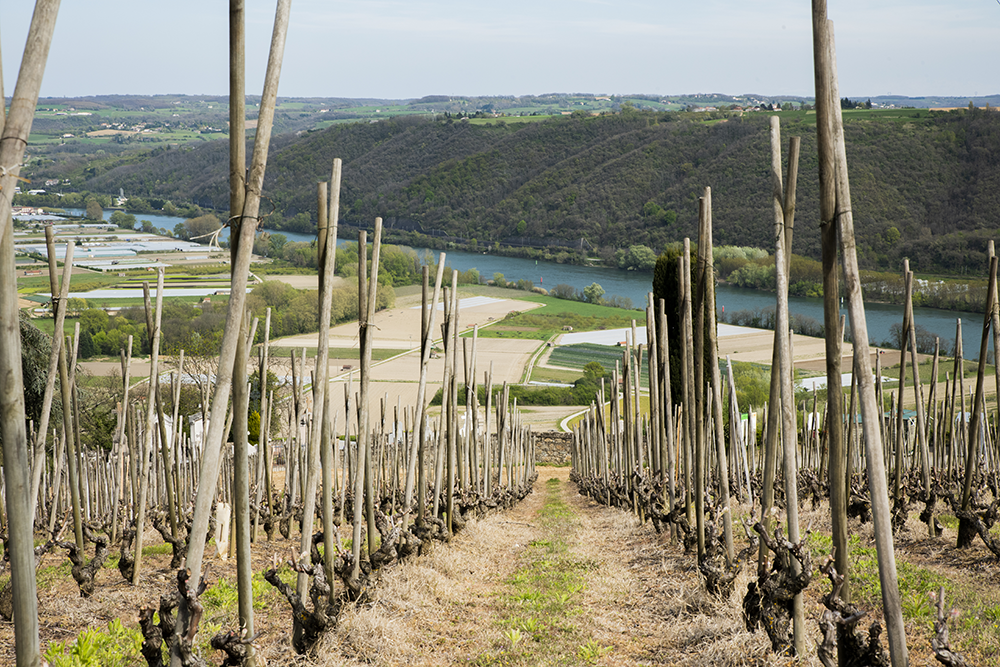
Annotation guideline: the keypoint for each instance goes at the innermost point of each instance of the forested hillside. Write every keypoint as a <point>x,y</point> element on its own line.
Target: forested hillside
<point>925,185</point>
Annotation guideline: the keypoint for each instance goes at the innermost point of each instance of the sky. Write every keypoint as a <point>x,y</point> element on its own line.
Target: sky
<point>406,49</point>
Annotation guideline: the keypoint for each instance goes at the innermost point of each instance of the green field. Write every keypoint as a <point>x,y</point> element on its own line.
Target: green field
<point>608,356</point>
<point>509,120</point>
<point>808,117</point>
<point>276,350</point>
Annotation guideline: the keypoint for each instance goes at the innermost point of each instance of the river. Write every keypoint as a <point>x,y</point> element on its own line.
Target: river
<point>636,284</point>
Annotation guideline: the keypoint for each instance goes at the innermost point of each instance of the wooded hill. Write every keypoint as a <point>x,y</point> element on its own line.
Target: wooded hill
<point>926,185</point>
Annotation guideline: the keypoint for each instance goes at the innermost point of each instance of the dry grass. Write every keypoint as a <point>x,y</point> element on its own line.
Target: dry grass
<point>637,598</point>
<point>642,602</point>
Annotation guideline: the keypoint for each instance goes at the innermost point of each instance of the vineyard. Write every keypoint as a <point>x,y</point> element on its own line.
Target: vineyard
<point>303,527</point>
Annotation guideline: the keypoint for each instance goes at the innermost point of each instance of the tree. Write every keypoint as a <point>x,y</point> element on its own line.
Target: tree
<point>36,347</point>
<point>120,219</point>
<point>521,227</point>
<point>147,227</point>
<point>593,371</point>
<point>97,404</point>
<point>593,293</point>
<point>564,291</point>
<point>93,320</point>
<point>94,210</point>
<point>203,224</point>
<point>666,286</point>
<point>638,257</point>
<point>300,254</point>
<point>277,242</point>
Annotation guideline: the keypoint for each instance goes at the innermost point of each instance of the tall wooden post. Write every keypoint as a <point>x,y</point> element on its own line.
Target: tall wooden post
<point>211,455</point>
<point>427,317</point>
<point>787,407</point>
<point>329,426</point>
<point>966,531</point>
<point>824,52</point>
<point>713,360</point>
<point>146,448</point>
<point>237,199</point>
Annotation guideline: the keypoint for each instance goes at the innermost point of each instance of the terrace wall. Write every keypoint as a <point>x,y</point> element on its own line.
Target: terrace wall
<point>552,447</point>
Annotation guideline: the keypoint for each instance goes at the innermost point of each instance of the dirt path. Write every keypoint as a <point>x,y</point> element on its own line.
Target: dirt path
<point>558,580</point>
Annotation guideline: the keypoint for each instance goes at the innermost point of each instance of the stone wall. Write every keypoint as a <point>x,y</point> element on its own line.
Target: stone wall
<point>552,447</point>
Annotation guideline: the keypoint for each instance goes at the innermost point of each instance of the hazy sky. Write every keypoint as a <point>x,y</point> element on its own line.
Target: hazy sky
<point>411,48</point>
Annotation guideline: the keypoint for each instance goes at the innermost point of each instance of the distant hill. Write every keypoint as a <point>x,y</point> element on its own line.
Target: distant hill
<point>926,185</point>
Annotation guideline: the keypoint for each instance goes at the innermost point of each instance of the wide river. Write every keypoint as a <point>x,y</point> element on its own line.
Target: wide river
<point>636,284</point>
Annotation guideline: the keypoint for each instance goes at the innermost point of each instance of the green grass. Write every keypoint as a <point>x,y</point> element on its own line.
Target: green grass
<point>946,368</point>
<point>80,282</point>
<point>976,631</point>
<point>557,305</point>
<point>554,318</point>
<point>544,374</point>
<point>541,603</point>
<point>116,646</point>
<point>138,301</point>
<point>161,549</point>
<point>855,115</point>
<point>48,325</point>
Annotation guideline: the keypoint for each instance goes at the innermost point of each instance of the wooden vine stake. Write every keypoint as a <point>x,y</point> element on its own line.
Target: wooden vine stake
<point>13,140</point>
<point>241,392</point>
<point>211,456</point>
<point>363,501</point>
<point>418,447</point>
<point>827,89</point>
<point>705,250</point>
<point>147,442</point>
<point>59,308</point>
<point>787,404</point>
<point>966,528</point>
<point>329,210</point>
<point>327,257</point>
